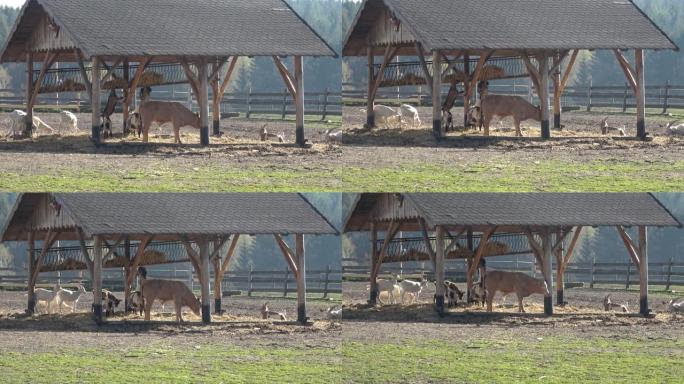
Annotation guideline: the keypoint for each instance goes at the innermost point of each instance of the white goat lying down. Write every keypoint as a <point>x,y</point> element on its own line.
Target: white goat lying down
<point>676,305</point>
<point>409,115</point>
<point>333,312</point>
<point>70,298</point>
<point>674,129</point>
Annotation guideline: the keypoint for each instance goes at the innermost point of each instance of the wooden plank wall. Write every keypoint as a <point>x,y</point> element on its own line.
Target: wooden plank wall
<point>390,207</point>
<point>44,216</point>
<point>384,32</point>
<point>44,37</point>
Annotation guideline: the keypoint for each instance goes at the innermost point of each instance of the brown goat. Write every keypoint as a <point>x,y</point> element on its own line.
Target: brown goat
<point>163,112</point>
<point>168,290</point>
<point>504,106</point>
<point>510,282</point>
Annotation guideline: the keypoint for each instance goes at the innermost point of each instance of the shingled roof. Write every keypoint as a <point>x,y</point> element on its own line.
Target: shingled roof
<point>183,213</point>
<point>173,28</point>
<point>532,209</point>
<point>516,24</point>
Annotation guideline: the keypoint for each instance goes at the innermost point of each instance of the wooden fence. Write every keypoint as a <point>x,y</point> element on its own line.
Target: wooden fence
<point>667,274</point>
<point>660,97</point>
<point>248,104</point>
<point>272,282</point>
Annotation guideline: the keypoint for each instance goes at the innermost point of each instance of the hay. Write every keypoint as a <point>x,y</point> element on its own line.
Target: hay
<point>492,248</point>
<point>66,265</point>
<point>68,85</point>
<point>148,258</point>
<point>489,72</point>
<point>146,80</point>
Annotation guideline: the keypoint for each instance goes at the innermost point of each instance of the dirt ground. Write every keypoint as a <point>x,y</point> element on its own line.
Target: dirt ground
<point>239,325</point>
<point>583,316</point>
<point>367,153</point>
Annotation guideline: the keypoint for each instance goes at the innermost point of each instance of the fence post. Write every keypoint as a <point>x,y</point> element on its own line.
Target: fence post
<point>287,277</point>
<point>284,103</point>
<point>325,287</point>
<point>667,97</point>
<point>629,273</point>
<point>591,88</point>
<point>249,282</point>
<point>624,100</point>
<point>325,105</point>
<point>593,265</point>
<point>249,102</point>
<point>669,274</point>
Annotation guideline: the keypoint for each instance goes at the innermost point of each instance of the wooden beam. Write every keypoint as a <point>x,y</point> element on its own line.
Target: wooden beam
<point>288,79</point>
<point>192,79</point>
<point>536,248</point>
<point>203,101</point>
<point>86,254</point>
<point>479,252</point>
<point>110,70</point>
<point>192,255</point>
<point>632,249</point>
<point>111,249</point>
<point>229,254</point>
<point>428,244</point>
<point>228,75</point>
<point>390,52</point>
<point>370,100</point>
<point>49,239</point>
<point>454,239</point>
<point>95,107</point>
<point>125,106</point>
<point>571,248</point>
<point>374,258</point>
<point>135,263</point>
<point>544,95</point>
<point>568,71</point>
<point>31,302</point>
<point>451,63</point>
<point>533,71</point>
<point>643,271</point>
<point>97,274</point>
<point>216,70</point>
<point>48,61</point>
<point>547,270</point>
<point>437,126</point>
<point>640,94</point>
<point>28,124</point>
<point>627,69</point>
<point>423,65</point>
<point>84,74</point>
<point>478,72</point>
<point>136,79</point>
<point>299,100</point>
<point>287,253</point>
<point>557,61</point>
<point>391,232</point>
<point>439,270</point>
<point>559,241</point>
<point>204,277</point>
<point>301,279</point>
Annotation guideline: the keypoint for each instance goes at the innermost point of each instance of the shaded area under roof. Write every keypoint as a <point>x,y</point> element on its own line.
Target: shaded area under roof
<point>526,209</point>
<point>173,28</point>
<point>516,24</point>
<point>179,213</point>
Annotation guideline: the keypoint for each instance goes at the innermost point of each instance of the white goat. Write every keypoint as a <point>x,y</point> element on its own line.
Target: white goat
<point>413,288</point>
<point>676,305</point>
<point>389,286</point>
<point>69,122</point>
<point>70,298</point>
<point>409,114</point>
<point>334,313</point>
<point>331,136</point>
<point>675,130</point>
<point>46,297</point>
<point>385,116</point>
<point>18,122</point>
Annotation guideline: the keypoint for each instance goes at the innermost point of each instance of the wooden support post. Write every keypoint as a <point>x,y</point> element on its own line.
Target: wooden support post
<point>299,100</point>
<point>301,279</point>
<point>95,102</point>
<point>640,94</point>
<point>466,89</point>
<point>204,279</point>
<point>31,307</point>
<point>469,260</point>
<point>374,259</point>
<point>125,105</point>
<point>558,253</point>
<point>557,92</point>
<point>643,271</point>
<point>437,95</point>
<point>218,294</point>
<point>28,129</point>
<point>370,101</point>
<point>203,101</point>
<point>544,94</point>
<point>215,100</point>
<point>547,269</point>
<point>127,271</point>
<point>666,99</point>
<point>439,270</point>
<point>97,267</point>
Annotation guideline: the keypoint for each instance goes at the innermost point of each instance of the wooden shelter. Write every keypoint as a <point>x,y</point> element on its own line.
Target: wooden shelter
<point>123,229</point>
<point>546,220</point>
<point>540,34</point>
<point>202,39</point>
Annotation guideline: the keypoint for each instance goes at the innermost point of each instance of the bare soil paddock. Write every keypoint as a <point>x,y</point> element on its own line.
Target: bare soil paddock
<point>577,158</point>
<point>241,324</point>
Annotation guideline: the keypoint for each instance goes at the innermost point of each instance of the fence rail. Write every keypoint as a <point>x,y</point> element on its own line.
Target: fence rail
<point>282,282</point>
<point>667,274</point>
<point>586,97</point>
<point>323,104</point>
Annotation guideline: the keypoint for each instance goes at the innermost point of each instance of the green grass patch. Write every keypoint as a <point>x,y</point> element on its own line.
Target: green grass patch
<point>161,364</point>
<point>552,176</point>
<point>547,360</point>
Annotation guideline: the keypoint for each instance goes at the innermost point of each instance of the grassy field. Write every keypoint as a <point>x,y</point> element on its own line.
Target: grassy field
<point>548,360</point>
<point>552,175</point>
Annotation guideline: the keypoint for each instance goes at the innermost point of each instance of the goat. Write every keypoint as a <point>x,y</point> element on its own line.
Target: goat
<point>112,101</point>
<point>409,113</point>
<point>135,303</point>
<point>109,301</point>
<point>165,291</point>
<point>70,298</point>
<point>676,305</point>
<point>18,123</point>
<point>333,313</point>
<point>162,112</point>
<point>453,293</point>
<point>266,313</point>
<point>68,122</point>
<point>331,136</point>
<point>388,286</point>
<point>264,135</point>
<point>509,282</point>
<point>675,130</point>
<point>448,119</point>
<point>605,128</point>
<point>386,116</point>
<point>46,297</point>
<point>413,288</point>
<point>608,305</point>
<point>503,106</point>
